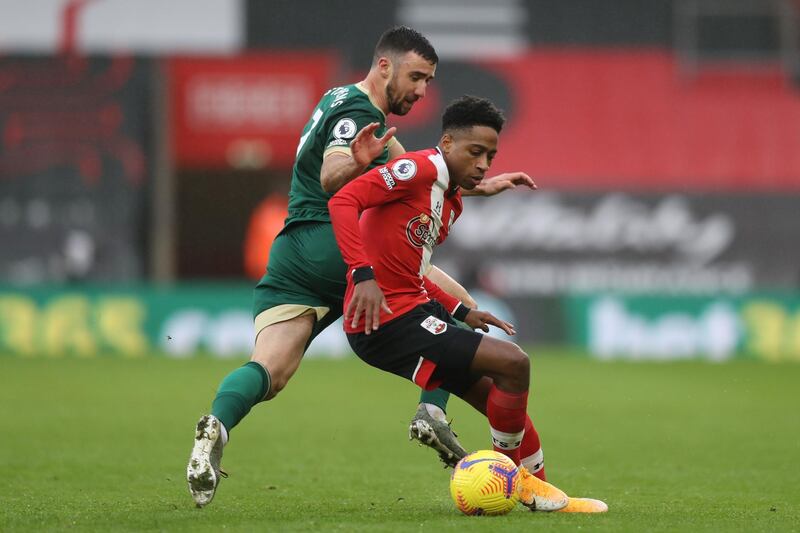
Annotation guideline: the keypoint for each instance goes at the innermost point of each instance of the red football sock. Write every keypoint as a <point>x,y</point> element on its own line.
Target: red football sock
<point>531,451</point>
<point>506,413</point>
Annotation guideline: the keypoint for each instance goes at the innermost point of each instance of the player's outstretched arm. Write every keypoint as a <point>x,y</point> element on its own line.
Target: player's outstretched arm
<point>451,286</point>
<point>500,183</point>
<point>338,168</point>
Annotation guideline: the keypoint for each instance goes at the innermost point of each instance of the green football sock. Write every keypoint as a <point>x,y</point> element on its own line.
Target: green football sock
<point>437,397</point>
<point>239,392</point>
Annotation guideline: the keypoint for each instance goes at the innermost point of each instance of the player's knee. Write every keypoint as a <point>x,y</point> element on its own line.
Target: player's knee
<point>278,372</point>
<point>518,366</point>
<point>277,384</point>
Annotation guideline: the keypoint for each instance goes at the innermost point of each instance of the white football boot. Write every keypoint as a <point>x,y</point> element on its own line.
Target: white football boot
<point>203,472</point>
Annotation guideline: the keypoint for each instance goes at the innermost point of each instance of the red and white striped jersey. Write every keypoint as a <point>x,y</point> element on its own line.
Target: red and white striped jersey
<point>407,206</point>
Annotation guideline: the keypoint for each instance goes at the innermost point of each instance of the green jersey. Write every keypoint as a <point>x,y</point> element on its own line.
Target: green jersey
<point>339,115</point>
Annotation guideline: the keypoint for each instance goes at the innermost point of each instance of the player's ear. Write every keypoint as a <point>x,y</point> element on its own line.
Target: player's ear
<point>446,142</point>
<point>385,67</point>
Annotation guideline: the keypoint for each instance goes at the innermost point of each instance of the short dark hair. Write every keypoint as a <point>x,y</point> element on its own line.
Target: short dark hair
<point>467,111</point>
<point>402,39</point>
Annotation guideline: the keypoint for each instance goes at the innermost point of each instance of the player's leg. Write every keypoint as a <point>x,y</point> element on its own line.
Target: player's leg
<point>535,492</point>
<point>505,402</point>
<point>505,395</point>
<point>447,362</point>
<point>289,311</point>
<point>502,395</point>
<point>430,427</point>
<point>277,354</point>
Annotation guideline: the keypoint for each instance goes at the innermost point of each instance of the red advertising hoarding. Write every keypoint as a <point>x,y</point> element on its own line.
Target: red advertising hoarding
<point>622,119</point>
<point>245,111</point>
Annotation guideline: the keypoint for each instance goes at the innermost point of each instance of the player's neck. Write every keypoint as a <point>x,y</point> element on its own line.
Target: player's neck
<point>375,87</point>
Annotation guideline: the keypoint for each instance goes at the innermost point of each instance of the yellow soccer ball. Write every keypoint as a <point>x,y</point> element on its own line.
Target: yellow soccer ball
<point>485,483</point>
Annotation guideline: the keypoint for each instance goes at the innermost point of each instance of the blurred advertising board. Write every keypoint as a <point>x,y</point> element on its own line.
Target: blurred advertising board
<point>187,320</point>
<point>177,321</point>
<point>244,111</point>
<point>527,244</point>
<point>74,158</point>
<point>762,326</point>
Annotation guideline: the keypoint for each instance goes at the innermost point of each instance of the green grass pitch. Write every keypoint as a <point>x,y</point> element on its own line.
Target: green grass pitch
<point>102,445</point>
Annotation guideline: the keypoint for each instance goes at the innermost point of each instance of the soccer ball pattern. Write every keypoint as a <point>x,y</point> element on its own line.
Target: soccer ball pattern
<point>485,483</point>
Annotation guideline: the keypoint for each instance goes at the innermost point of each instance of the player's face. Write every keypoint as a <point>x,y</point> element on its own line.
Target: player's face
<point>469,154</point>
<point>411,74</point>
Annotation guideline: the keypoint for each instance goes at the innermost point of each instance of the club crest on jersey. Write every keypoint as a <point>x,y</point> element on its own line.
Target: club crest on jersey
<point>419,231</point>
<point>404,169</point>
<point>344,129</point>
<point>434,325</point>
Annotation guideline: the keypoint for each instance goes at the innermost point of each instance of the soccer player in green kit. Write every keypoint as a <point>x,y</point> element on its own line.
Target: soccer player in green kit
<point>303,290</point>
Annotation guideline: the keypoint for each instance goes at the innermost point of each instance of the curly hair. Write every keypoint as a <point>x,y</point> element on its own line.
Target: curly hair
<point>467,111</point>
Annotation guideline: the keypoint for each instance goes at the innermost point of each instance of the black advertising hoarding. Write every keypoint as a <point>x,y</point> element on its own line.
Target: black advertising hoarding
<point>529,249</point>
<point>541,243</point>
<point>73,168</point>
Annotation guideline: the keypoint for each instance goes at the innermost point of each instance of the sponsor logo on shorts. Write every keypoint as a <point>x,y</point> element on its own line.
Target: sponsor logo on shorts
<point>418,231</point>
<point>434,325</point>
<point>387,177</point>
<point>404,169</point>
<point>344,129</point>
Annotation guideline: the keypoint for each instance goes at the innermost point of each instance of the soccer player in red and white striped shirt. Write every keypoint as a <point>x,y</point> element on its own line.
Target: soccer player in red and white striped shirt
<point>386,223</point>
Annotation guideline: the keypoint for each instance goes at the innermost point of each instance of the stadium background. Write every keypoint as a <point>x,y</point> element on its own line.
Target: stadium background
<point>145,152</point>
<point>144,168</point>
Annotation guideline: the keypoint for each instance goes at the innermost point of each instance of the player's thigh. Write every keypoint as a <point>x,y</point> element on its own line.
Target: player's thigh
<point>280,346</point>
<point>305,271</point>
<point>497,359</point>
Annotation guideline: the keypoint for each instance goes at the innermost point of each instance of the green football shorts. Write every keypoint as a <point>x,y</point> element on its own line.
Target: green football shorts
<point>305,275</point>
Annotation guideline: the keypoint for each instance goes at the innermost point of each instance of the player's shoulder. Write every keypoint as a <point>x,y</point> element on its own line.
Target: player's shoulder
<point>414,165</point>
<point>348,99</point>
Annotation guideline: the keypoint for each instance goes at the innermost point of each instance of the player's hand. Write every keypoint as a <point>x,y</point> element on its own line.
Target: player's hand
<point>482,319</point>
<point>367,299</point>
<point>501,182</point>
<point>365,147</point>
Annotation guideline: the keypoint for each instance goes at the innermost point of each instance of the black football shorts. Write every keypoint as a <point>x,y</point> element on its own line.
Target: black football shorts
<point>425,345</point>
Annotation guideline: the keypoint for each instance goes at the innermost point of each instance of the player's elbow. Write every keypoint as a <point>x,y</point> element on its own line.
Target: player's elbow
<point>328,184</point>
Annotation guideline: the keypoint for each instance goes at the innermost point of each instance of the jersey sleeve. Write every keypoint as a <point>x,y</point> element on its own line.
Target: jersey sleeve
<point>343,126</point>
<point>435,292</point>
<point>388,183</point>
